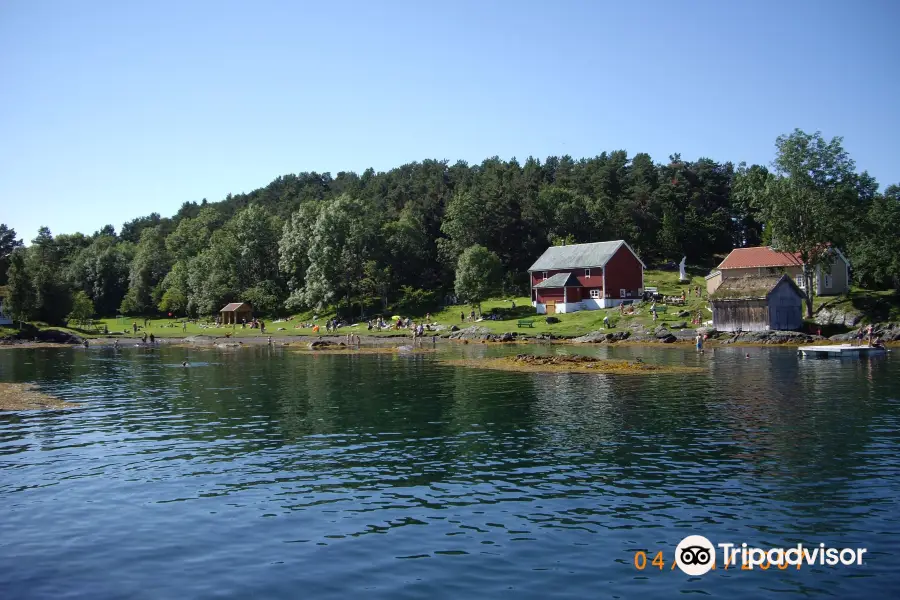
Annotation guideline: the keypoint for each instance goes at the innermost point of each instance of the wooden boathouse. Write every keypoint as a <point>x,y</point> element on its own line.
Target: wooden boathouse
<point>758,303</point>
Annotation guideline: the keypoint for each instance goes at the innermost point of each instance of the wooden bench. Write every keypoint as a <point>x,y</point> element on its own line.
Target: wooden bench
<point>525,323</point>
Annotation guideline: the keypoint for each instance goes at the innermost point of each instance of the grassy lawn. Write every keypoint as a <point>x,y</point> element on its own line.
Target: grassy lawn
<point>570,324</point>
<point>883,305</point>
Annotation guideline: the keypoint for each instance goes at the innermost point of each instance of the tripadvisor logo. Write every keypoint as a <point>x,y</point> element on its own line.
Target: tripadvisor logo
<point>695,555</point>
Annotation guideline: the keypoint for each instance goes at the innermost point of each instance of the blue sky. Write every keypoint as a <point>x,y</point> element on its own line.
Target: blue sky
<point>113,110</point>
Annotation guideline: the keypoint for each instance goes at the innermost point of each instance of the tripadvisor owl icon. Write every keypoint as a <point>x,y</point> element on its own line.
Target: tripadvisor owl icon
<point>695,555</point>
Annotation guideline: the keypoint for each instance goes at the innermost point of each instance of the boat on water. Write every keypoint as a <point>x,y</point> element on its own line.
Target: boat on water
<point>842,351</point>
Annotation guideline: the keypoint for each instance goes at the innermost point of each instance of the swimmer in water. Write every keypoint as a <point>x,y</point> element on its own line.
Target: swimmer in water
<point>184,363</point>
<point>748,355</point>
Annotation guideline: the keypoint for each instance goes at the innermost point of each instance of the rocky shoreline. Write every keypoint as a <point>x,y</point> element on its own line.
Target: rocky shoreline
<point>635,334</point>
<point>889,332</point>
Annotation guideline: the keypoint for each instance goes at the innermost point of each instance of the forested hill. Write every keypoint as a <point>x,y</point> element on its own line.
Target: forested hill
<point>375,239</point>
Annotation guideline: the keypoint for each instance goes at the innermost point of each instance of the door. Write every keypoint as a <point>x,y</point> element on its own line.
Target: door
<point>551,307</point>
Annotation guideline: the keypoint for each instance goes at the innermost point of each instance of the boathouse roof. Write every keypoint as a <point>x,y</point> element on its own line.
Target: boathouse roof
<point>753,287</point>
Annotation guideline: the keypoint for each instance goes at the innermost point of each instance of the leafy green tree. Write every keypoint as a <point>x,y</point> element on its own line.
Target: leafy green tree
<point>101,271</point>
<point>338,251</point>
<point>82,308</point>
<point>176,290</point>
<point>256,233</point>
<point>8,243</point>
<point>293,251</point>
<point>748,230</point>
<point>478,274</point>
<point>149,267</point>
<point>875,251</point>
<point>266,297</point>
<point>192,235</point>
<point>46,268</point>
<point>212,276</point>
<point>20,293</point>
<point>809,200</point>
<point>132,230</point>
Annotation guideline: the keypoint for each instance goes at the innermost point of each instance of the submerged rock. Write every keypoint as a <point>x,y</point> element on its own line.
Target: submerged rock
<point>321,344</point>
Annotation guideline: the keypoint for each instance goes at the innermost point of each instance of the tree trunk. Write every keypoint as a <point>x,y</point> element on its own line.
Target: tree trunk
<point>808,279</point>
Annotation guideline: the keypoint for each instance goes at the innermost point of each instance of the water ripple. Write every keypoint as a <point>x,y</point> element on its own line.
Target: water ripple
<point>263,472</point>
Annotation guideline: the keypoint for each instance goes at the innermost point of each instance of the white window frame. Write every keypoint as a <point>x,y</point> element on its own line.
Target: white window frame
<point>799,281</point>
<point>543,274</point>
<point>595,293</point>
<point>587,273</point>
<point>621,292</point>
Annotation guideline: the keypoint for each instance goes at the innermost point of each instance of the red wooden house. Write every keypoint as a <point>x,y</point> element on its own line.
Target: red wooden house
<point>586,277</point>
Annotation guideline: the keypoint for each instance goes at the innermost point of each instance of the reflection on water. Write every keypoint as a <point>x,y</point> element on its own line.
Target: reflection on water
<point>268,473</point>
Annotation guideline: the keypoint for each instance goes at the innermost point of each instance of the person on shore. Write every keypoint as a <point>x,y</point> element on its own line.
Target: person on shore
<point>472,314</point>
<point>699,341</point>
<point>262,327</point>
<point>152,339</point>
<point>144,338</point>
<point>606,321</point>
<point>134,327</point>
<point>869,333</point>
<point>462,317</point>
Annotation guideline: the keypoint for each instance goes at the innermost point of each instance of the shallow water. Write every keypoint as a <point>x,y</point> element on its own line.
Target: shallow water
<point>263,472</point>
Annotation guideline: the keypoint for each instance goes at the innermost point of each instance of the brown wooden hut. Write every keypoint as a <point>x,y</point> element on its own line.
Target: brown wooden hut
<point>236,312</point>
<point>757,303</point>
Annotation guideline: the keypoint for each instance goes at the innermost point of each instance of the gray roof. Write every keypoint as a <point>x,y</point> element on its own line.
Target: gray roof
<point>578,256</point>
<point>559,280</point>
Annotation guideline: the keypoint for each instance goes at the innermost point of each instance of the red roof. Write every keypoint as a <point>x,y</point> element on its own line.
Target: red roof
<point>761,256</point>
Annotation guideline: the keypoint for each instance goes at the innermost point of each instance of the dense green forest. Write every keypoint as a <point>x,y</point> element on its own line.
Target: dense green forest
<point>362,243</point>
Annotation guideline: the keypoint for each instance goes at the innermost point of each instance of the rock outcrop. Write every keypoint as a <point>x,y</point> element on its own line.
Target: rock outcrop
<point>828,315</point>
<point>601,336</point>
<point>483,334</point>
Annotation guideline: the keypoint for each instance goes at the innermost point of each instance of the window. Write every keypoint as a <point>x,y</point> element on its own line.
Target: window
<point>622,293</point>
<point>826,281</point>
<point>587,272</point>
<point>595,293</point>
<point>800,280</point>
<point>544,275</point>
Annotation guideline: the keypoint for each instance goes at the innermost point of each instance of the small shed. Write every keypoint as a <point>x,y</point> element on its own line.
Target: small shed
<point>757,303</point>
<point>235,312</point>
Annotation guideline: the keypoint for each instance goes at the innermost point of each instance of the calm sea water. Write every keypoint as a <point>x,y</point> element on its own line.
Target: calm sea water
<point>265,473</point>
